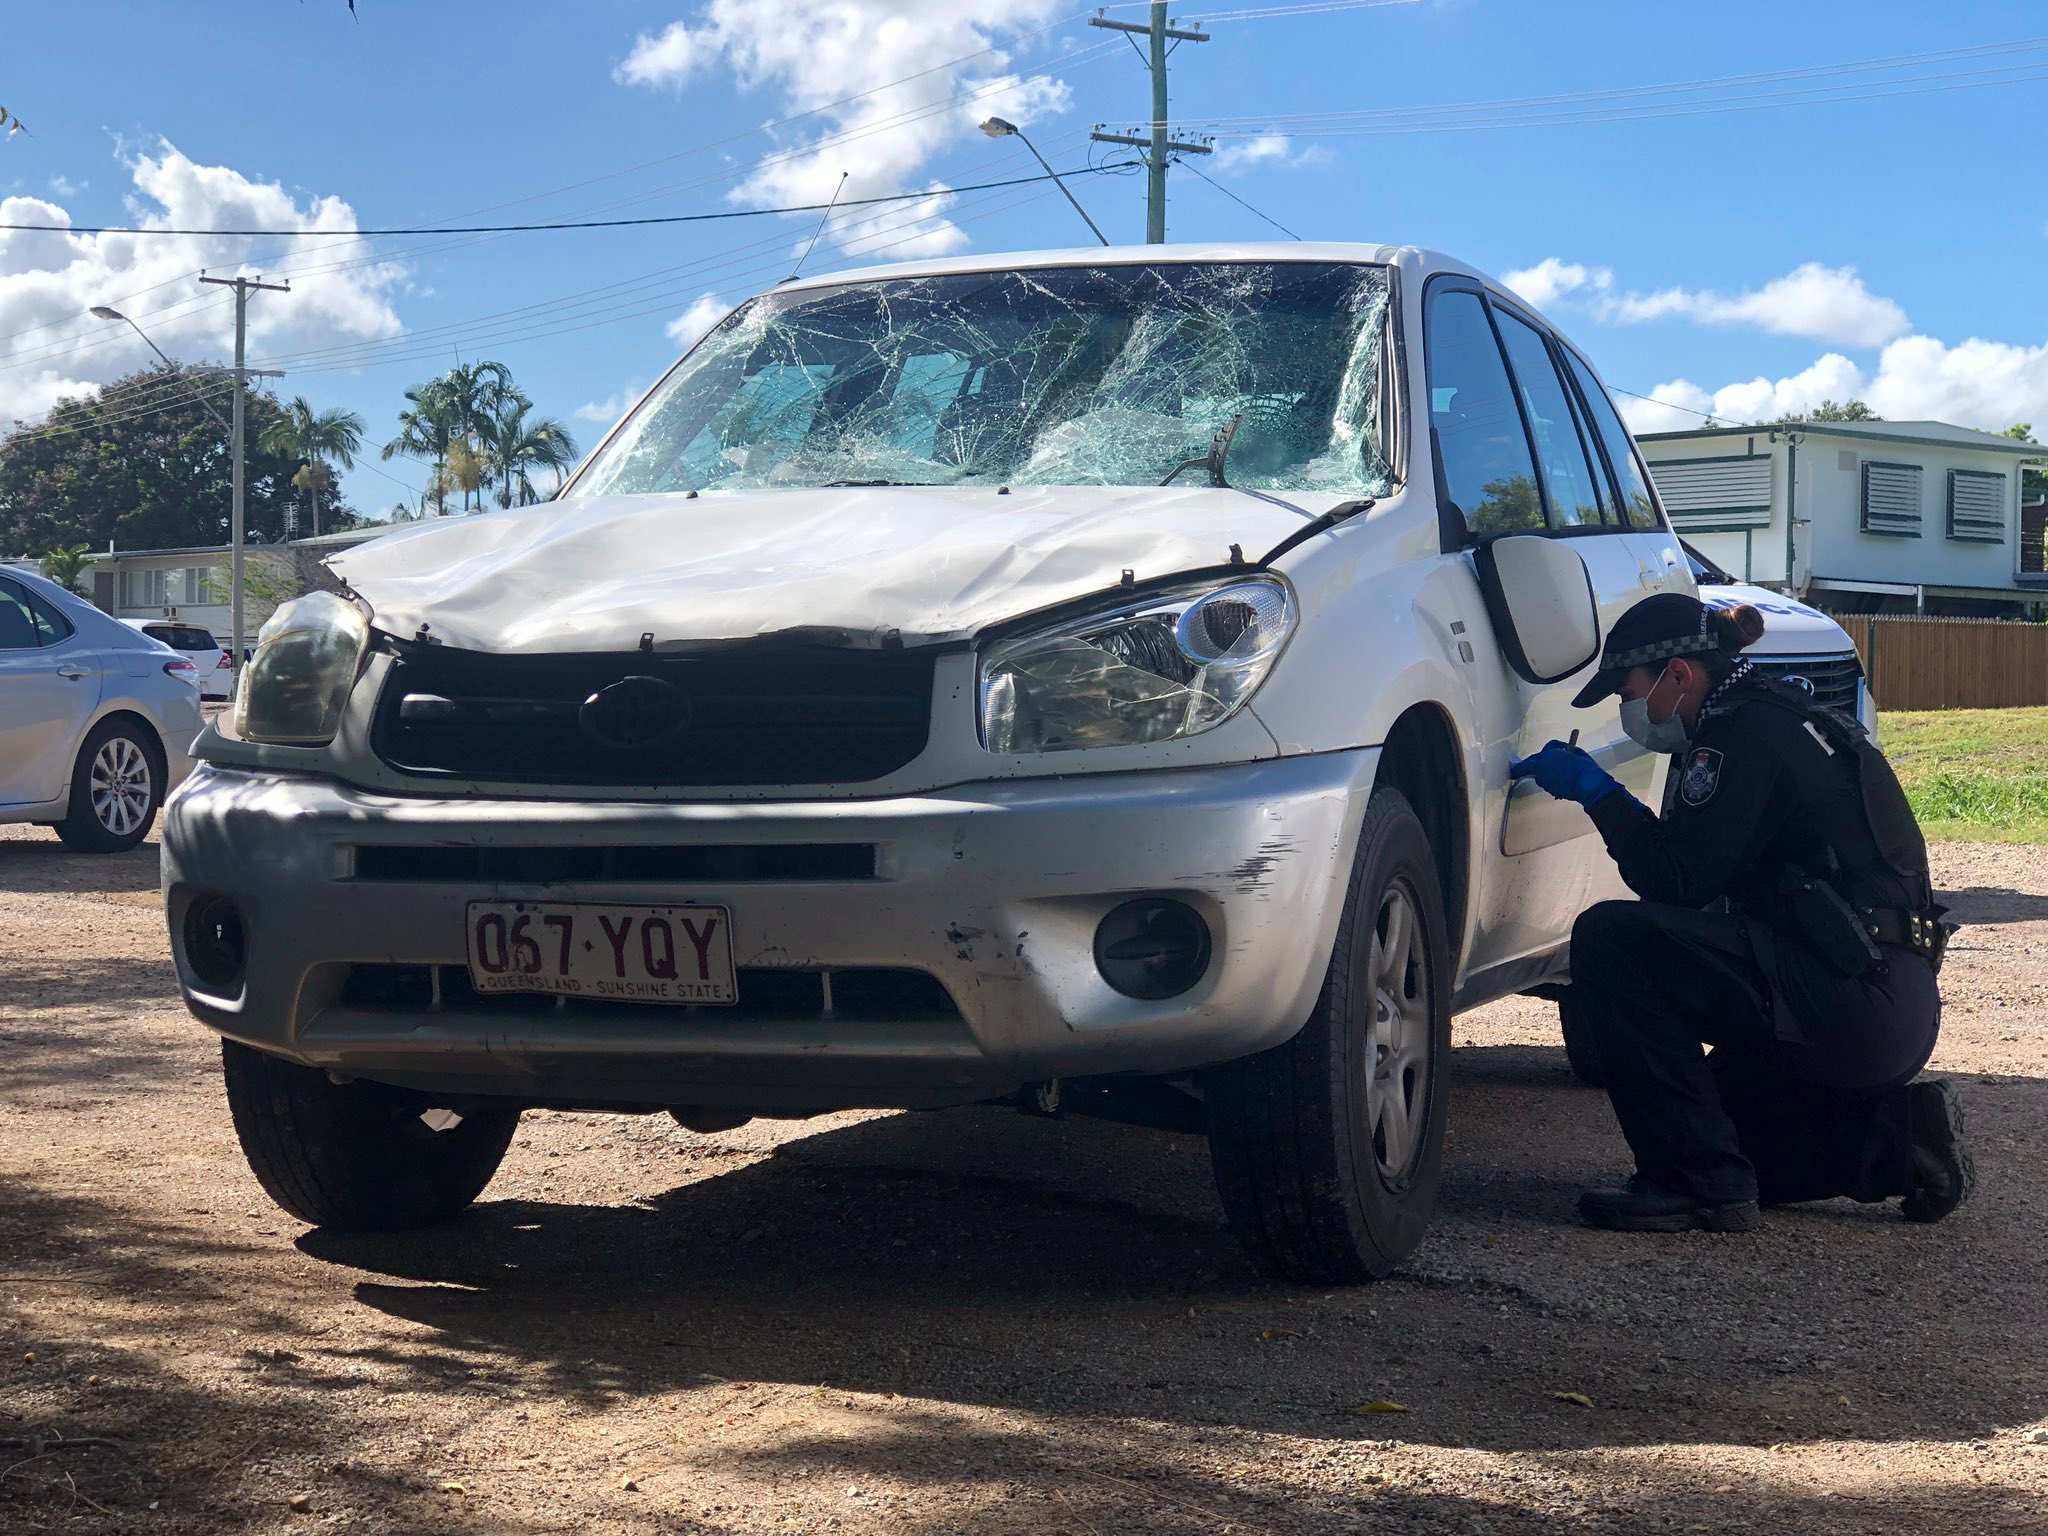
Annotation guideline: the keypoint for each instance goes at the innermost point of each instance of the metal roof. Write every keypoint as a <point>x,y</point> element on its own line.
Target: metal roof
<point>1939,434</point>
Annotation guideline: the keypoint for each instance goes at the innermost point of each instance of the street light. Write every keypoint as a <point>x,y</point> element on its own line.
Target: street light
<point>102,312</point>
<point>997,128</point>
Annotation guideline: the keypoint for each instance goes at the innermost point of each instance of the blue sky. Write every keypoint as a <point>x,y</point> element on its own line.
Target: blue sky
<point>1741,248</point>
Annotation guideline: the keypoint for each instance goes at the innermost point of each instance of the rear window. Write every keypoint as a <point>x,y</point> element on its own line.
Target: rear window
<point>188,639</point>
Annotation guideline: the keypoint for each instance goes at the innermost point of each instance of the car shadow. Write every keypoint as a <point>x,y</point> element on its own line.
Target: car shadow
<point>1989,905</point>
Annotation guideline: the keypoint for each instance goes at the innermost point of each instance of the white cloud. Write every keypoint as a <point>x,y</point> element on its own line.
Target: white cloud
<point>64,186</point>
<point>608,410</point>
<point>1975,383</point>
<point>49,348</point>
<point>1551,279</point>
<point>1819,303</point>
<point>1270,151</point>
<point>872,71</point>
<point>704,312</point>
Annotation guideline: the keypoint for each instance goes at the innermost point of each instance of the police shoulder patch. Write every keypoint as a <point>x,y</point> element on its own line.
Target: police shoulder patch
<point>1702,776</point>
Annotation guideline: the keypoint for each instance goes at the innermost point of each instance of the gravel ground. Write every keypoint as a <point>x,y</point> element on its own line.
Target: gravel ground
<point>975,1321</point>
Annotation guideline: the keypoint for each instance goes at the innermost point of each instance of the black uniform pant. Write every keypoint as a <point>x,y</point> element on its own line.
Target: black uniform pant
<point>1763,1117</point>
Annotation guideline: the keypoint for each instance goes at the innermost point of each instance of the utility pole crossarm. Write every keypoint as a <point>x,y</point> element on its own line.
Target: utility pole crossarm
<point>1179,34</point>
<point>1145,143</point>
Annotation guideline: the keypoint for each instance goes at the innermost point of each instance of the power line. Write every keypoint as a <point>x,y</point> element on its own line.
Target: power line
<point>1240,201</point>
<point>517,229</point>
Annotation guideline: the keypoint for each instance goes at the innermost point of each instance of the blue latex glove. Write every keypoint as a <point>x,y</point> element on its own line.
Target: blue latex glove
<point>1567,773</point>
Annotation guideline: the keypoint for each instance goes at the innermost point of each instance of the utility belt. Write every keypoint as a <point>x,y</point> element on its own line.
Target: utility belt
<point>1845,935</point>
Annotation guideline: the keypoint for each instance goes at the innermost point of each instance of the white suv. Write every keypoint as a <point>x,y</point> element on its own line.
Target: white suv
<point>213,668</point>
<point>1080,678</point>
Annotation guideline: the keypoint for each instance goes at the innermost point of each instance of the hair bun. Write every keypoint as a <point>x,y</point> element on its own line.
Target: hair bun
<point>1739,627</point>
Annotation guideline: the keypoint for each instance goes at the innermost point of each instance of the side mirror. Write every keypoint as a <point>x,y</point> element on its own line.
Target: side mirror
<point>1539,595</point>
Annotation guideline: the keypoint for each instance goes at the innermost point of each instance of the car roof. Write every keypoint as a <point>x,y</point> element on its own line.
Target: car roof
<point>1411,257</point>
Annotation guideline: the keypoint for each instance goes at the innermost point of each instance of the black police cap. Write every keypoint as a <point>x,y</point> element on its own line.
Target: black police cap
<point>1655,630</point>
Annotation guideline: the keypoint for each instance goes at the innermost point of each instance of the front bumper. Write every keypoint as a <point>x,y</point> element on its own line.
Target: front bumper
<point>993,889</point>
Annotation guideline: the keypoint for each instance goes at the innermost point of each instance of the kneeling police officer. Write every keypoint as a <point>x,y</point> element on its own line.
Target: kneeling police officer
<point>1787,920</point>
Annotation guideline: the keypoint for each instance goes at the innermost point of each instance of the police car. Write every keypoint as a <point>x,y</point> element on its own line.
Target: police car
<point>1800,644</point>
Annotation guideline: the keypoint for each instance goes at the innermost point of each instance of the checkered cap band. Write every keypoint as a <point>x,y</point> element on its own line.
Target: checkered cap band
<point>1643,655</point>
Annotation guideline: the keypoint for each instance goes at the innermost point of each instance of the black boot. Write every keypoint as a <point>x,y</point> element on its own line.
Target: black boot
<point>1644,1205</point>
<point>1943,1174</point>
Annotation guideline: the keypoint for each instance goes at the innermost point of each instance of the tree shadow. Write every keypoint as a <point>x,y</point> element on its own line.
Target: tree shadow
<point>68,1025</point>
<point>908,1254</point>
<point>34,862</point>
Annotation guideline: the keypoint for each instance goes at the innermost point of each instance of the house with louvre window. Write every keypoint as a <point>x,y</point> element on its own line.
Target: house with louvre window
<point>1864,516</point>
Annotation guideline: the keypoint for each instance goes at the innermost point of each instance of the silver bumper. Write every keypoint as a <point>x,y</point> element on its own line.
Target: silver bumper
<point>994,889</point>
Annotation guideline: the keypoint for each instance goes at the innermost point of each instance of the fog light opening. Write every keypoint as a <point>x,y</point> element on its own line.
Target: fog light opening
<point>216,949</point>
<point>1152,948</point>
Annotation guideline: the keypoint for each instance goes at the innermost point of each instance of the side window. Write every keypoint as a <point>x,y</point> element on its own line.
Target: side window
<point>1621,454</point>
<point>1567,473</point>
<point>17,623</point>
<point>1488,473</point>
<point>51,625</point>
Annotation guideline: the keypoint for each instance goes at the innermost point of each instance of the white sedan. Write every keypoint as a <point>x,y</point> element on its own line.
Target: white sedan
<point>213,667</point>
<point>96,719</point>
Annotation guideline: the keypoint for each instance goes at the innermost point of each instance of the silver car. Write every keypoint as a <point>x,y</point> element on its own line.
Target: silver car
<point>96,719</point>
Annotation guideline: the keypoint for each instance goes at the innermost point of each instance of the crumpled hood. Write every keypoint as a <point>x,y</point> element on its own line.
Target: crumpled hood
<point>853,566</point>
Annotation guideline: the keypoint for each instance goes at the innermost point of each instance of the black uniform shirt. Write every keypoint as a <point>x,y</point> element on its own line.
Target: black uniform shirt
<point>1758,788</point>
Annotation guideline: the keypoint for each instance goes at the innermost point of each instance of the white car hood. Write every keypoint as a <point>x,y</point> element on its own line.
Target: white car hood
<point>1790,627</point>
<point>856,566</point>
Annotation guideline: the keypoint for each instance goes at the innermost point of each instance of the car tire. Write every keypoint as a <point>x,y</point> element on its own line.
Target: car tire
<point>356,1157</point>
<point>117,786</point>
<point>1328,1150</point>
<point>1581,1046</point>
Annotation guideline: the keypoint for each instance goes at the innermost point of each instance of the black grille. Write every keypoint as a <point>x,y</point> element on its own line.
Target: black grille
<point>1834,678</point>
<point>715,862</point>
<point>786,716</point>
<point>869,994</point>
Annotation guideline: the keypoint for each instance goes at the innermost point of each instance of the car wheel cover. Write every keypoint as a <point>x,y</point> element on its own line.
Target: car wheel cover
<point>1402,1027</point>
<point>120,786</point>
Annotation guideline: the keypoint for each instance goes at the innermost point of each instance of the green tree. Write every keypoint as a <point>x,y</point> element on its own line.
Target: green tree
<point>513,445</point>
<point>1829,410</point>
<point>143,464</point>
<point>427,428</point>
<point>465,470</point>
<point>478,391</point>
<point>317,439</point>
<point>64,564</point>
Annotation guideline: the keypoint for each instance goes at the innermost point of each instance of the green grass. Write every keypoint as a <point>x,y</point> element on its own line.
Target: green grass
<point>1973,775</point>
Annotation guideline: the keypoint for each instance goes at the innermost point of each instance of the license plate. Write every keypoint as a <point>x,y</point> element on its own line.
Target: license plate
<point>675,954</point>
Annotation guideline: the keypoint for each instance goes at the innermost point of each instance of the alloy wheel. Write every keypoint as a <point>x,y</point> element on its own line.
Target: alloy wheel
<point>121,787</point>
<point>1397,1086</point>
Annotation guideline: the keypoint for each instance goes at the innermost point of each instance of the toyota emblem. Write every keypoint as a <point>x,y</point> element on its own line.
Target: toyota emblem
<point>633,714</point>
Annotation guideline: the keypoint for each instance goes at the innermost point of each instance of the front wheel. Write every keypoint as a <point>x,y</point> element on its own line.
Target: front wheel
<point>358,1157</point>
<point>1328,1150</point>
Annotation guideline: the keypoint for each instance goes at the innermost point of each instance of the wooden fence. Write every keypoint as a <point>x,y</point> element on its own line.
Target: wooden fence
<point>1916,663</point>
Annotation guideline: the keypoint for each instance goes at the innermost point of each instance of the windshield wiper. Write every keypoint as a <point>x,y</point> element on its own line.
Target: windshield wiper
<point>1213,460</point>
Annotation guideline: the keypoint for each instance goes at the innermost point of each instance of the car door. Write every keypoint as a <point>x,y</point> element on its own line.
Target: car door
<point>49,691</point>
<point>1513,459</point>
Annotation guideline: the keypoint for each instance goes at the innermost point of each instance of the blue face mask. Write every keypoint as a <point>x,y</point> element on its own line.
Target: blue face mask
<point>1666,735</point>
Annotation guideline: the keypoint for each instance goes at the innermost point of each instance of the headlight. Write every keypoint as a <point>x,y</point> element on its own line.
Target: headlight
<point>307,654</point>
<point>1154,668</point>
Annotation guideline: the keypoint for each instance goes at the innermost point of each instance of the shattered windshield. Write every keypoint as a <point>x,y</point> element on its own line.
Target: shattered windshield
<point>1049,376</point>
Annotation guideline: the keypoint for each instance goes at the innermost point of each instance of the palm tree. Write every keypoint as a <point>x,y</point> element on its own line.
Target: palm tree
<point>513,445</point>
<point>464,470</point>
<point>316,439</point>
<point>426,430</point>
<point>476,393</point>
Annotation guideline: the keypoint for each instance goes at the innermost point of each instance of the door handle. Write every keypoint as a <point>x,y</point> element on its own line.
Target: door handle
<point>72,672</point>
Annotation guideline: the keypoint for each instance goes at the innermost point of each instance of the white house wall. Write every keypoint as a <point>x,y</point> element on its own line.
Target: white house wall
<point>1837,549</point>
